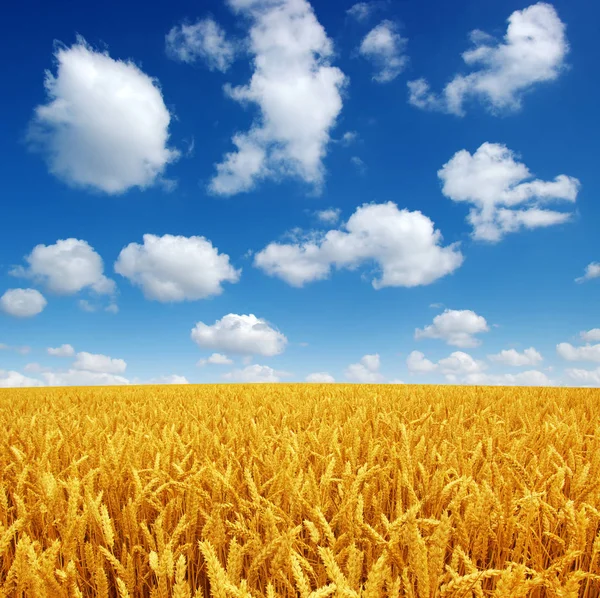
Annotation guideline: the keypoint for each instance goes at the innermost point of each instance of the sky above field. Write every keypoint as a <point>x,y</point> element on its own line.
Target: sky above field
<point>283,190</point>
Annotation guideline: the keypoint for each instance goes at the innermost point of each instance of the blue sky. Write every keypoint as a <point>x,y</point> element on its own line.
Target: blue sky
<point>278,190</point>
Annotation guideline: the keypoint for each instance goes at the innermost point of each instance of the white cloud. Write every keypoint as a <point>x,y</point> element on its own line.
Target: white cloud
<point>328,216</point>
<point>204,40</point>
<point>12,379</point>
<point>348,138</point>
<point>591,271</point>
<point>396,381</point>
<point>586,377</point>
<point>297,92</point>
<point>105,125</point>
<point>404,245</point>
<point>504,198</point>
<point>533,51</point>
<point>590,335</point>
<point>176,268</point>
<point>456,327</point>
<point>171,379</point>
<point>459,363</point>
<point>35,368</point>
<point>384,47</point>
<point>320,377</point>
<point>366,371</point>
<point>112,308</point>
<point>528,378</point>
<point>361,11</point>
<point>417,363</point>
<point>215,359</point>
<point>75,377</point>
<point>584,353</point>
<point>101,364</point>
<point>359,163</point>
<point>66,267</point>
<point>255,373</point>
<point>62,351</point>
<point>245,334</point>
<point>85,305</point>
<point>22,303</point>
<point>514,358</point>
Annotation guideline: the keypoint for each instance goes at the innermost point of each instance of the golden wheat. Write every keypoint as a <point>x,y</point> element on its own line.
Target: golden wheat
<point>303,491</point>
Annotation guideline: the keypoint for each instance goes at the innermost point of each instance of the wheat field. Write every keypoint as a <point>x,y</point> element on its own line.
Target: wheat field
<point>299,490</point>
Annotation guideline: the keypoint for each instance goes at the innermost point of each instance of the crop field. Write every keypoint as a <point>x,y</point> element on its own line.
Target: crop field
<point>299,490</point>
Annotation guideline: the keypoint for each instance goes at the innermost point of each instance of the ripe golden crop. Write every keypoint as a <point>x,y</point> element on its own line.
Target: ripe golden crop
<point>300,490</point>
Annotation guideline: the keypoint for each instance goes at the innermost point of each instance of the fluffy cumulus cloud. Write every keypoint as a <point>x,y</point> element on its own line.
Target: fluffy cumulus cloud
<point>320,377</point>
<point>12,379</point>
<point>591,271</point>
<point>101,364</point>
<point>384,47</point>
<point>297,91</point>
<point>504,195</point>
<point>105,124</point>
<point>215,359</point>
<point>584,353</point>
<point>366,371</point>
<point>22,303</point>
<point>176,268</point>
<point>204,40</point>
<point>403,244</point>
<point>255,373</point>
<point>590,336</point>
<point>460,363</point>
<point>241,334</point>
<point>66,267</point>
<point>62,351</point>
<point>533,51</point>
<point>455,327</point>
<point>514,358</point>
<point>456,364</point>
<point>417,363</point>
<point>582,377</point>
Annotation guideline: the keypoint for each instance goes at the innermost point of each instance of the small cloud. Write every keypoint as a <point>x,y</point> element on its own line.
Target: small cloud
<point>360,165</point>
<point>348,138</point>
<point>366,371</point>
<point>204,40</point>
<point>533,51</point>
<point>590,335</point>
<point>361,11</point>
<point>176,268</point>
<point>320,377</point>
<point>215,359</point>
<point>255,373</point>
<point>455,327</point>
<point>384,47</point>
<point>591,271</point>
<point>513,358</point>
<point>329,216</point>
<point>22,303</point>
<point>85,305</point>
<point>62,351</point>
<point>584,353</point>
<point>241,334</point>
<point>67,267</point>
